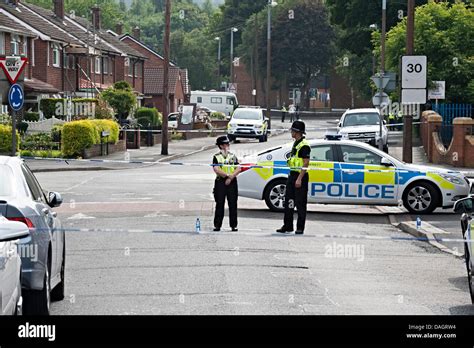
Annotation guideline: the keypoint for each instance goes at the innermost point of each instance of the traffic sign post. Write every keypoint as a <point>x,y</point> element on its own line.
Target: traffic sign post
<point>13,68</point>
<point>16,99</point>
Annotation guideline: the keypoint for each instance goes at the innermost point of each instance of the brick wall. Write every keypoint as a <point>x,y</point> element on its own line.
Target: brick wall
<point>153,61</point>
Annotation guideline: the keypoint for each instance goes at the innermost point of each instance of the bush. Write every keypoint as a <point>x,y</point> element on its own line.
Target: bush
<point>41,153</point>
<point>31,117</point>
<point>6,139</point>
<point>56,133</point>
<point>38,141</point>
<point>149,117</point>
<point>218,115</point>
<point>5,119</point>
<point>22,127</point>
<point>80,135</point>
<point>103,110</point>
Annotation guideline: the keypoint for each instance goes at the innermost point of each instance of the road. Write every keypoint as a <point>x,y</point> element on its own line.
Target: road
<point>153,262</point>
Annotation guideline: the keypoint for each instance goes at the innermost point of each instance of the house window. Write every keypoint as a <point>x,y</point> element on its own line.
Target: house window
<point>130,69</point>
<point>2,43</point>
<point>97,65</point>
<point>15,45</point>
<point>33,52</point>
<point>106,65</point>
<point>56,56</point>
<point>66,61</point>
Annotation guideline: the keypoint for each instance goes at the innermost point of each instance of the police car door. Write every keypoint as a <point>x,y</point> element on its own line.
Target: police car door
<point>365,180</point>
<point>325,174</point>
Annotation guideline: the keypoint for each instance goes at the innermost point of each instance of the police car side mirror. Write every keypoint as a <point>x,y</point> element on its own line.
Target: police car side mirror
<point>339,125</point>
<point>386,163</point>
<point>464,206</point>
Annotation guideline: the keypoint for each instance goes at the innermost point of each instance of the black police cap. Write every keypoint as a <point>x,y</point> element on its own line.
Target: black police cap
<point>299,126</point>
<point>222,140</point>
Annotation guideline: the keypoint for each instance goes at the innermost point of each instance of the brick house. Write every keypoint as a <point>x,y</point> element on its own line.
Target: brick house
<point>180,91</point>
<point>68,56</point>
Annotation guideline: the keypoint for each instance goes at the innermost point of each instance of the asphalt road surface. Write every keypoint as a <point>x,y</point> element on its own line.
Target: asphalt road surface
<point>140,254</point>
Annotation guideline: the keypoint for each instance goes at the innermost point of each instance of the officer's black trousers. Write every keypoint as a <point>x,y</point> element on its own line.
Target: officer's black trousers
<point>296,198</point>
<point>221,191</point>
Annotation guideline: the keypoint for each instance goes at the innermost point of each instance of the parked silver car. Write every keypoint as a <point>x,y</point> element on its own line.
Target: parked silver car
<point>10,266</point>
<point>43,253</point>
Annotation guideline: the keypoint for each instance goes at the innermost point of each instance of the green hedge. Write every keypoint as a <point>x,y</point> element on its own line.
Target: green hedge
<point>149,117</point>
<point>6,139</point>
<point>41,153</point>
<point>80,135</point>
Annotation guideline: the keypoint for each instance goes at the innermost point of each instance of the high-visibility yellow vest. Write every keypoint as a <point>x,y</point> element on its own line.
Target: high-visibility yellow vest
<point>295,161</point>
<point>391,116</point>
<point>228,163</point>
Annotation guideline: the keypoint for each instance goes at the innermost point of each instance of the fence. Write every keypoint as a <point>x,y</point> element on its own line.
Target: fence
<point>449,112</point>
<point>44,126</point>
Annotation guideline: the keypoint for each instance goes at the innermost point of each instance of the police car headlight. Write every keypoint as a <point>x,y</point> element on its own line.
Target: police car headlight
<point>453,179</point>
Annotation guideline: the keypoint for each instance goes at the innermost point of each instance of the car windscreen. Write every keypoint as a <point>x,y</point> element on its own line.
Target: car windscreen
<point>6,187</point>
<point>362,119</point>
<point>247,115</point>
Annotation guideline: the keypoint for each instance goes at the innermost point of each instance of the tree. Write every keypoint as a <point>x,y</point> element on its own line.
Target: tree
<point>302,48</point>
<point>444,34</point>
<point>121,98</point>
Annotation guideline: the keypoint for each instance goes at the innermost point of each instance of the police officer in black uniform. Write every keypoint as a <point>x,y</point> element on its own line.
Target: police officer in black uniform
<point>298,180</point>
<point>226,168</point>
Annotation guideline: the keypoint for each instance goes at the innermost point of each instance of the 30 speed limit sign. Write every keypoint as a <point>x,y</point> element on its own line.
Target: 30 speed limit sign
<point>414,71</point>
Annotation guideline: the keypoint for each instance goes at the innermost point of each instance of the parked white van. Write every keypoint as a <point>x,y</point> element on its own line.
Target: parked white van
<point>219,101</point>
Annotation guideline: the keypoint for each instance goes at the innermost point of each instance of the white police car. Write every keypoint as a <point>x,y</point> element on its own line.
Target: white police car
<point>352,172</point>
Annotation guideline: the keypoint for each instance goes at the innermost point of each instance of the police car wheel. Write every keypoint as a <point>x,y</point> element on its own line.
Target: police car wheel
<point>275,195</point>
<point>469,271</point>
<point>421,198</point>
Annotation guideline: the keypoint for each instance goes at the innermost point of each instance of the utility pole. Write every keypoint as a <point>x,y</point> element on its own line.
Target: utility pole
<point>255,85</point>
<point>219,62</point>
<point>269,57</point>
<point>408,119</point>
<point>232,31</point>
<point>382,68</point>
<point>166,108</point>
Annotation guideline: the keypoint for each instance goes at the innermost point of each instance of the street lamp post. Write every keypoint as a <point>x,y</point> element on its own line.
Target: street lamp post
<point>382,67</point>
<point>218,60</point>
<point>232,31</point>
<point>271,3</point>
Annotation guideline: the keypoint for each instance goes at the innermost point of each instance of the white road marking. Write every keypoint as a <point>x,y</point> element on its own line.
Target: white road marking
<point>81,216</point>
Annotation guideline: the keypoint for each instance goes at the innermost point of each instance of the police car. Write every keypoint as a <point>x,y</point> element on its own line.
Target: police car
<point>352,172</point>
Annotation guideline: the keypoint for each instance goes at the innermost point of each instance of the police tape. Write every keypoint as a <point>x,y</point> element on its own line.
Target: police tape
<point>223,130</point>
<point>260,232</point>
<point>245,166</point>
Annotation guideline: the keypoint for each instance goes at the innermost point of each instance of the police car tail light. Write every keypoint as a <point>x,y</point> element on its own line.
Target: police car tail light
<point>246,166</point>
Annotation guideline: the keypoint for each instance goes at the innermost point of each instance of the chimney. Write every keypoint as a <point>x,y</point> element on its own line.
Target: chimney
<point>119,28</point>
<point>96,20</point>
<point>59,8</point>
<point>136,32</point>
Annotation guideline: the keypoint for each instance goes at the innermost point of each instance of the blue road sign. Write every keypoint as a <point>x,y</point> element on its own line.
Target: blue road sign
<point>16,97</point>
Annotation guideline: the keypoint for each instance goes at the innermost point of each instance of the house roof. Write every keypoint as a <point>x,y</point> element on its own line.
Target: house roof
<point>154,80</point>
<point>9,25</point>
<point>38,86</point>
<point>79,33</point>
<point>111,40</point>
<point>39,23</point>
<point>148,48</point>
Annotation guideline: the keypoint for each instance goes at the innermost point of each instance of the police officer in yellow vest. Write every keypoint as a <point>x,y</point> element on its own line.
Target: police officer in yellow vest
<point>298,180</point>
<point>226,168</point>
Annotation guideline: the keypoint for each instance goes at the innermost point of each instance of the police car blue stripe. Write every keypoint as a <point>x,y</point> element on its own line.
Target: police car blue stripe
<point>404,177</point>
<point>277,171</point>
<point>352,178</point>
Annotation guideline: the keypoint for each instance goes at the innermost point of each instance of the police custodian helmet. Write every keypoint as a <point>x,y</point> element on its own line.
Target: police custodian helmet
<point>222,140</point>
<point>298,126</point>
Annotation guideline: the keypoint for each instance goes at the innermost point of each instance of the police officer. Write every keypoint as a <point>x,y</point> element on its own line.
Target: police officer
<point>226,169</point>
<point>298,180</point>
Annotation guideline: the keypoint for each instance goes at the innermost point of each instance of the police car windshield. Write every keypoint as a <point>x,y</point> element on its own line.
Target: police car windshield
<point>247,114</point>
<point>5,181</point>
<point>363,119</point>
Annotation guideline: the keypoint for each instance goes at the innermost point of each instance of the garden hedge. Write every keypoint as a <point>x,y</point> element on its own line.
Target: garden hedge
<point>77,136</point>
<point>6,139</point>
<point>149,117</point>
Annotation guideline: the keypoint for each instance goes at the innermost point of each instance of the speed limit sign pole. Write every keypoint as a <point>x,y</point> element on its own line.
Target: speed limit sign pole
<point>408,119</point>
